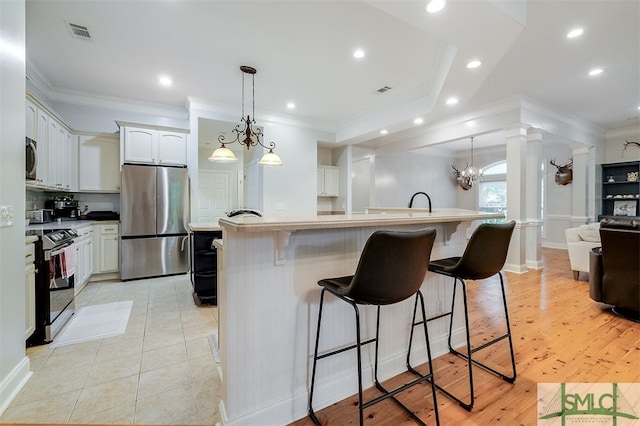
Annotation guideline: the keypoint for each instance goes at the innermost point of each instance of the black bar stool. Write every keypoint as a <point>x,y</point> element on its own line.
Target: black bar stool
<point>483,257</point>
<point>391,268</point>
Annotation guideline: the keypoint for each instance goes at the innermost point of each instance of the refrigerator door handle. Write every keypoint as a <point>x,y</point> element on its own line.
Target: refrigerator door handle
<point>182,242</point>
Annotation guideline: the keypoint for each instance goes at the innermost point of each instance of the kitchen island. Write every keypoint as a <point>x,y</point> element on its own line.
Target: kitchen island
<point>268,298</point>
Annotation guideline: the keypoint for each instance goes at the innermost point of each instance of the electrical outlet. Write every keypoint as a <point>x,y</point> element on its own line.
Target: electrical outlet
<point>6,215</point>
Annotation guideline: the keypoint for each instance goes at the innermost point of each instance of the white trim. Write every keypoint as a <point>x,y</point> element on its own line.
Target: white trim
<point>13,383</point>
<point>87,99</point>
<point>552,245</point>
<point>532,264</point>
<point>516,269</point>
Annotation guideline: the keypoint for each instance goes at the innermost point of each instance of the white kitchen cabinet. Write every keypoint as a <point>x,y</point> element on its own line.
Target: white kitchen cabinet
<point>72,163</point>
<point>172,148</point>
<point>31,119</point>
<point>156,145</point>
<point>327,181</point>
<point>106,248</point>
<point>84,258</point>
<point>140,145</point>
<point>42,143</point>
<point>29,290</point>
<point>56,145</point>
<point>54,149</point>
<point>99,163</point>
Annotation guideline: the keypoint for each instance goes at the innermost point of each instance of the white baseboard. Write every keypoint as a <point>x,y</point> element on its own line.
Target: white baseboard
<point>550,244</point>
<point>13,383</point>
<point>516,269</point>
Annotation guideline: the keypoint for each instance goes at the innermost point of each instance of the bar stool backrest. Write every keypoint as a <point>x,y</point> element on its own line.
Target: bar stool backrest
<point>486,251</point>
<point>392,266</point>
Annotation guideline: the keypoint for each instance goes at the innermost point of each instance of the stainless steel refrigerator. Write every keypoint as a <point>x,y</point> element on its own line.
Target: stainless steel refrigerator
<point>154,213</point>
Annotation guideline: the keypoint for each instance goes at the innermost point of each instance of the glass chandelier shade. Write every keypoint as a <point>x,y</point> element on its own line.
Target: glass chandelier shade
<point>471,172</point>
<point>246,134</point>
<point>470,175</point>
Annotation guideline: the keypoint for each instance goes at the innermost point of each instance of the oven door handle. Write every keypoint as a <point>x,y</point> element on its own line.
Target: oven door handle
<point>58,250</point>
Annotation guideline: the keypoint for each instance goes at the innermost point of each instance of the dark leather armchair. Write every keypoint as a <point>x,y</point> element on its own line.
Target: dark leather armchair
<point>614,276</point>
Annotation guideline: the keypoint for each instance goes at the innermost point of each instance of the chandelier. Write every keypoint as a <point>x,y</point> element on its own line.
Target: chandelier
<point>245,133</point>
<point>470,175</point>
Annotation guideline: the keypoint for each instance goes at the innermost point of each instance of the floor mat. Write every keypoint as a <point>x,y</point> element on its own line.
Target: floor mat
<point>94,322</point>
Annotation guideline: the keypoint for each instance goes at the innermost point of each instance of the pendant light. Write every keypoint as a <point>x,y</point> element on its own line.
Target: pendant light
<point>470,175</point>
<point>245,133</point>
<point>471,172</point>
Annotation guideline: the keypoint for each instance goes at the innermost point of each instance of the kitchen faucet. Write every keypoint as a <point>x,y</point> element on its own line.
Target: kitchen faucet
<point>423,193</point>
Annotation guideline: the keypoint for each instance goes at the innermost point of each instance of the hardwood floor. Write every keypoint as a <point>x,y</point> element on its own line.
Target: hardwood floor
<point>560,335</point>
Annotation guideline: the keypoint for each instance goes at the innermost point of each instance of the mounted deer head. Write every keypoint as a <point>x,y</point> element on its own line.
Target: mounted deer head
<point>564,174</point>
<point>463,181</point>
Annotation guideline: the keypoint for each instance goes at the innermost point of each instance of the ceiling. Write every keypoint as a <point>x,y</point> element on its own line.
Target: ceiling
<point>303,53</point>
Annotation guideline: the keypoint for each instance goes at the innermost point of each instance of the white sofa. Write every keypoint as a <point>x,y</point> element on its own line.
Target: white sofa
<point>580,241</point>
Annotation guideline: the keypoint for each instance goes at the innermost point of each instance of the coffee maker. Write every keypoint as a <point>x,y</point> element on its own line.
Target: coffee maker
<point>63,206</point>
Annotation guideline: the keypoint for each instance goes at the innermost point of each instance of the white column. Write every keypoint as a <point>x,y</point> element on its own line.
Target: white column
<point>533,200</point>
<point>583,186</point>
<point>516,139</point>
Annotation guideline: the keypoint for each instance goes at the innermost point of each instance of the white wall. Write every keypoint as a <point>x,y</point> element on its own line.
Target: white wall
<point>614,147</point>
<point>557,198</point>
<point>14,365</point>
<point>398,176</point>
<point>290,190</point>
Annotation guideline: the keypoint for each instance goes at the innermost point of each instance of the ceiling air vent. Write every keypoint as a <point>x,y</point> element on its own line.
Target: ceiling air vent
<point>79,31</point>
<point>383,89</point>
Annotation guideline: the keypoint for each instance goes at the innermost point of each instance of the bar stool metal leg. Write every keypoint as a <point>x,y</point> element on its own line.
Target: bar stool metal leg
<point>378,283</point>
<point>509,378</point>
<point>358,346</point>
<point>469,350</point>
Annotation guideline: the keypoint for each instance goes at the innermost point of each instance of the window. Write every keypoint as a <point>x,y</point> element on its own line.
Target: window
<point>492,189</point>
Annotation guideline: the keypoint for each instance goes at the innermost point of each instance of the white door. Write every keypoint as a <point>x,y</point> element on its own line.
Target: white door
<point>215,195</point>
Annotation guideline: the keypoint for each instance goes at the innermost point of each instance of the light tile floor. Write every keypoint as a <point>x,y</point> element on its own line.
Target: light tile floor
<point>160,371</point>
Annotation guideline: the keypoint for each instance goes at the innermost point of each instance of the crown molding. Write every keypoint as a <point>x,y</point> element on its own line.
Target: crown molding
<point>87,99</point>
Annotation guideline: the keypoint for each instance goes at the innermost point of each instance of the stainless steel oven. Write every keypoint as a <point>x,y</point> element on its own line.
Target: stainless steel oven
<point>55,279</point>
<point>32,159</point>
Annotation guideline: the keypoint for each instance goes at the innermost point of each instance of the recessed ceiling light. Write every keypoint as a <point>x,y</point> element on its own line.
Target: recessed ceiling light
<point>291,105</point>
<point>383,132</point>
<point>474,64</point>
<point>595,71</point>
<point>576,32</point>
<point>358,53</point>
<point>452,101</point>
<point>165,81</point>
<point>435,6</point>
<point>418,121</point>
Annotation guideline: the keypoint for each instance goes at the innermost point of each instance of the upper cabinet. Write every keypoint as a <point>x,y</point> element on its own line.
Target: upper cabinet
<point>57,147</point>
<point>153,144</point>
<point>100,163</point>
<point>327,181</point>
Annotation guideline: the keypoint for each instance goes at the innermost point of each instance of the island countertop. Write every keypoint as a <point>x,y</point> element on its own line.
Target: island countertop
<point>397,216</point>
